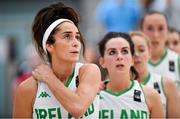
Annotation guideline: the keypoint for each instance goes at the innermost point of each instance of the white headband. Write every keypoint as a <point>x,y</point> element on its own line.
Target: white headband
<point>50,29</point>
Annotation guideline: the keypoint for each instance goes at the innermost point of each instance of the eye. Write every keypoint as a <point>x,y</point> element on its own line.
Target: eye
<point>67,36</point>
<point>124,51</point>
<point>112,52</point>
<point>78,37</point>
<point>175,42</point>
<point>141,50</point>
<point>149,28</point>
<point>161,28</point>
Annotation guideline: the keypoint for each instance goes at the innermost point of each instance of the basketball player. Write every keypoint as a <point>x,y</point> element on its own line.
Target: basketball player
<point>165,87</point>
<point>62,88</point>
<point>124,97</point>
<point>163,61</point>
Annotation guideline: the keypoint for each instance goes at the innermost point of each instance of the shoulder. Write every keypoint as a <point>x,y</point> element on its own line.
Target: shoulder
<point>152,96</point>
<point>154,103</point>
<point>150,92</point>
<point>90,72</point>
<point>89,67</point>
<point>168,82</point>
<point>24,98</point>
<point>169,85</point>
<point>27,88</point>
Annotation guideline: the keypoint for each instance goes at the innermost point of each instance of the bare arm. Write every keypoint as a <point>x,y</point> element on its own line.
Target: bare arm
<point>76,102</point>
<point>173,104</point>
<point>179,97</point>
<point>154,103</point>
<point>24,99</point>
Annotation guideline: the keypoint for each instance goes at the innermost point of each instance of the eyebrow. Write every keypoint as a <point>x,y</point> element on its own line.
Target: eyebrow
<point>141,45</point>
<point>121,48</point>
<point>111,49</point>
<point>126,47</point>
<point>70,32</point>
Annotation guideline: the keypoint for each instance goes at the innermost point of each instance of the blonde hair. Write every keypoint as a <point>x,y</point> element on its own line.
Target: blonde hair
<point>141,34</point>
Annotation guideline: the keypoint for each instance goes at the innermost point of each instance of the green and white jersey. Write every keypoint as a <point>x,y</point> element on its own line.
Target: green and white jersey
<point>128,104</point>
<point>168,66</point>
<point>47,106</point>
<point>156,81</point>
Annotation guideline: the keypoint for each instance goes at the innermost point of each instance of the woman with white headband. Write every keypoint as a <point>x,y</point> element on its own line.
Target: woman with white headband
<point>63,87</point>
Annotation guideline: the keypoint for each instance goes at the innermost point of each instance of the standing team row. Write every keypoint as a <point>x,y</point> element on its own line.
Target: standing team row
<point>65,88</point>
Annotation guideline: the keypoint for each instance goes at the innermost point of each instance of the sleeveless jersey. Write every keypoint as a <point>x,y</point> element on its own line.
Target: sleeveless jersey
<point>47,106</point>
<point>168,66</point>
<point>128,104</point>
<point>156,81</point>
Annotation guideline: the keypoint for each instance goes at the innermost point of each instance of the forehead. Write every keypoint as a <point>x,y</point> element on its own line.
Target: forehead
<point>155,19</point>
<point>139,40</point>
<point>117,43</point>
<point>67,26</point>
<point>174,35</point>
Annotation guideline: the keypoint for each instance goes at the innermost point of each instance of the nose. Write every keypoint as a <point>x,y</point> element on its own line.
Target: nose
<point>119,56</point>
<point>155,33</point>
<point>76,42</point>
<point>137,52</point>
<point>171,46</point>
<point>136,56</point>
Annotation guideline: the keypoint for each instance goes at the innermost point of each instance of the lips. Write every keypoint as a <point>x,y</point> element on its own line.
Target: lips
<point>119,66</point>
<point>155,43</point>
<point>137,62</point>
<point>75,52</point>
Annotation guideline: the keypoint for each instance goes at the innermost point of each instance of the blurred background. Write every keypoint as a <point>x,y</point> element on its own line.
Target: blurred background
<point>18,56</point>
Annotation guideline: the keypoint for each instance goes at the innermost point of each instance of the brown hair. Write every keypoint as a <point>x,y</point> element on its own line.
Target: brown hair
<point>108,36</point>
<point>45,17</point>
<point>152,13</point>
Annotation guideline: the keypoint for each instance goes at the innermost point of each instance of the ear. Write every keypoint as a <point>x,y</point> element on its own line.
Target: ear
<point>49,47</point>
<point>101,62</point>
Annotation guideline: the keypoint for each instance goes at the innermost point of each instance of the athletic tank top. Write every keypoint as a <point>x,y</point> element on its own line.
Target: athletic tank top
<point>128,104</point>
<point>156,81</point>
<point>47,106</point>
<point>168,66</point>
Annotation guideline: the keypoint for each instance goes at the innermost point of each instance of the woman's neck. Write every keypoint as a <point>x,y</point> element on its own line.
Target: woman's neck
<point>63,71</point>
<point>157,55</point>
<point>118,84</point>
<point>143,75</point>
